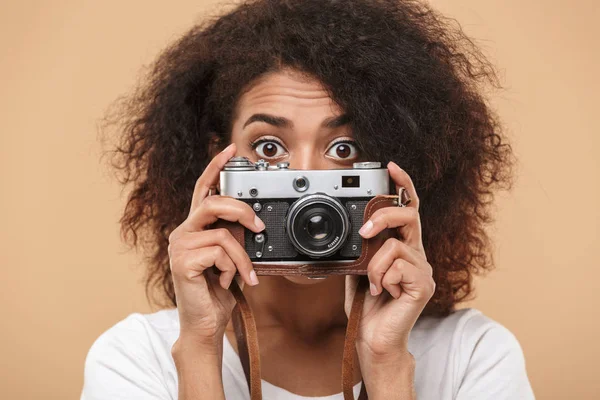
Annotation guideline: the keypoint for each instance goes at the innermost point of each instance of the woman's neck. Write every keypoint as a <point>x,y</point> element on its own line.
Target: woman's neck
<point>309,311</point>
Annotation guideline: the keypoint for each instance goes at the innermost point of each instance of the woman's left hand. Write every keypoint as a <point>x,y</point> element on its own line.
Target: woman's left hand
<point>400,267</point>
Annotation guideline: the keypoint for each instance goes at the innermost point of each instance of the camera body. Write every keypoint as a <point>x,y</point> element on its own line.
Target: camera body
<point>311,216</point>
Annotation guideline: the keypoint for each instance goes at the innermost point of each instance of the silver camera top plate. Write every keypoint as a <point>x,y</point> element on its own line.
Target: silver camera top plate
<point>244,179</point>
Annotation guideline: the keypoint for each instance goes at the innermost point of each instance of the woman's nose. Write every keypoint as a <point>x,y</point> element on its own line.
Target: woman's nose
<point>308,159</point>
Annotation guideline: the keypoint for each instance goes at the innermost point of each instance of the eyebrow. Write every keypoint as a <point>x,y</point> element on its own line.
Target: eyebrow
<point>281,122</point>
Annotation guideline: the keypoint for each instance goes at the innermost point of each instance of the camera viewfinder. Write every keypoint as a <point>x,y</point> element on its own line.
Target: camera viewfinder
<point>351,181</point>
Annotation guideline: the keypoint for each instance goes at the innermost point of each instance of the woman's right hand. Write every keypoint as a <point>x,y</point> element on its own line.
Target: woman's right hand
<point>204,302</point>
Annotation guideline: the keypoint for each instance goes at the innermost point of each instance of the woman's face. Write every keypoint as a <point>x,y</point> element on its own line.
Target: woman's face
<point>285,117</point>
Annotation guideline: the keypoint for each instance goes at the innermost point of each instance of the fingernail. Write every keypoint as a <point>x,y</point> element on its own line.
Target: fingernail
<point>258,223</point>
<point>373,290</point>
<point>226,148</point>
<point>366,228</point>
<point>253,278</point>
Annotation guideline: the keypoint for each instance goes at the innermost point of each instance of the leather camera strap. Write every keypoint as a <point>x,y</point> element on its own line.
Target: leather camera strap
<point>247,342</point>
<point>245,326</point>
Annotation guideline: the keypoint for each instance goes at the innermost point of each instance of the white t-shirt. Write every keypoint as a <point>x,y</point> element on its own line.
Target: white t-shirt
<point>465,355</point>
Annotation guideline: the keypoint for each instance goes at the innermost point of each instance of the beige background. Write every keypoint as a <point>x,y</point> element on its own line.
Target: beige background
<point>66,277</point>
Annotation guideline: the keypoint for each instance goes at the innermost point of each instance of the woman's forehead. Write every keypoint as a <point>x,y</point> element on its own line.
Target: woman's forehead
<point>287,92</point>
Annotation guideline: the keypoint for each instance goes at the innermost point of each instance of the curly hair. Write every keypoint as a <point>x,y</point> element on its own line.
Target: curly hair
<point>410,79</point>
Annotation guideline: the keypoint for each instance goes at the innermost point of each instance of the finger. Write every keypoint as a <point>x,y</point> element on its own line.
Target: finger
<point>402,179</point>
<point>193,263</point>
<point>391,250</point>
<point>406,218</point>
<point>222,207</point>
<point>210,176</point>
<point>223,238</point>
<point>402,276</point>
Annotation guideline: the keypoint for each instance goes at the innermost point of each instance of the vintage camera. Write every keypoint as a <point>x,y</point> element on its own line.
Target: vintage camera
<point>309,214</point>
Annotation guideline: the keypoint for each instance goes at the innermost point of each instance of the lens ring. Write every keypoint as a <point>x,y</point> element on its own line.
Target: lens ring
<point>306,207</point>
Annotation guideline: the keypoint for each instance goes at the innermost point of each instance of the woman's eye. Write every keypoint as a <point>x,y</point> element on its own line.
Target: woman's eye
<point>343,151</point>
<point>269,149</point>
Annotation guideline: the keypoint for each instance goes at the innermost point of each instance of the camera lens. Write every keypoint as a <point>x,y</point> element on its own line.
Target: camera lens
<point>317,225</point>
<point>301,183</point>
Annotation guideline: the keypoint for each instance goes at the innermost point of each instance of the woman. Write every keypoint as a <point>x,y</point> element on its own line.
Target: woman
<point>320,84</point>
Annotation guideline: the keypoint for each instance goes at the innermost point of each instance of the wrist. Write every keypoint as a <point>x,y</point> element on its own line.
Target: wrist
<point>199,368</point>
<point>384,351</point>
<point>187,346</point>
<point>390,375</point>
<point>383,357</point>
<point>401,358</point>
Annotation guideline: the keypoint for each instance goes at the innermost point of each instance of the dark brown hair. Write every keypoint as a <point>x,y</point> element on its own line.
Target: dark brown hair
<point>411,81</point>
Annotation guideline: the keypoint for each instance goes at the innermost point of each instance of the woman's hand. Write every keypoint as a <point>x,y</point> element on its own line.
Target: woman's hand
<point>204,302</point>
<point>401,268</point>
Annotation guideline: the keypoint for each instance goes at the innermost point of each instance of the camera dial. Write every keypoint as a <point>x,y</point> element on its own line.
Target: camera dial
<point>239,164</point>
<point>366,165</point>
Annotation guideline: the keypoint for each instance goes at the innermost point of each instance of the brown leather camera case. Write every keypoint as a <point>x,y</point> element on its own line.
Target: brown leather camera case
<point>352,267</point>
